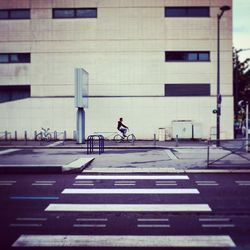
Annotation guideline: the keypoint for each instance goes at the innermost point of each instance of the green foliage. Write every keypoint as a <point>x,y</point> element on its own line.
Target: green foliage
<point>241,73</point>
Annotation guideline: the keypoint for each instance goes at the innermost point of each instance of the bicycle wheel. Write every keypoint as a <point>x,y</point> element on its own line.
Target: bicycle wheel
<point>131,138</point>
<point>117,138</point>
<point>48,137</point>
<point>39,137</point>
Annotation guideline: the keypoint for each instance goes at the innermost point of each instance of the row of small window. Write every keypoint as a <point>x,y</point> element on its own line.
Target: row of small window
<point>92,12</point>
<point>170,56</point>
<point>14,57</point>
<point>190,56</point>
<point>57,13</point>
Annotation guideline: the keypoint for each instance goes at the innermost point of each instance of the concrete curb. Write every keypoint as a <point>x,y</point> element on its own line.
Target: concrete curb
<point>76,166</point>
<point>169,171</point>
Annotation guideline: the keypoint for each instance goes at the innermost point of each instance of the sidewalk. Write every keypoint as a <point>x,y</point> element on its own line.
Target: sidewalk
<point>142,156</point>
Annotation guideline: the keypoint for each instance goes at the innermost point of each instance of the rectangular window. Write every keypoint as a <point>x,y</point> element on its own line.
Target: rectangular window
<point>187,12</point>
<point>187,56</point>
<point>15,14</point>
<point>15,58</point>
<point>75,13</point>
<point>187,89</point>
<point>14,92</point>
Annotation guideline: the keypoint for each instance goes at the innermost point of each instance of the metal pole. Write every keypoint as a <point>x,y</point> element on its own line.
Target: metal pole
<point>80,125</point>
<point>247,120</point>
<point>208,145</point>
<point>218,101</point>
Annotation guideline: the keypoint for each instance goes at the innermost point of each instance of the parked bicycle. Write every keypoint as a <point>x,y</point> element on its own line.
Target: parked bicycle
<point>44,135</point>
<point>120,138</point>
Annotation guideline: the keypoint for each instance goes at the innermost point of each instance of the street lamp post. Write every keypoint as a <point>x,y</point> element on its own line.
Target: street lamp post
<point>219,99</point>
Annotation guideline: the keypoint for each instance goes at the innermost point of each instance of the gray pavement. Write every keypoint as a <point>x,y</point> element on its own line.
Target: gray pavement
<point>148,156</point>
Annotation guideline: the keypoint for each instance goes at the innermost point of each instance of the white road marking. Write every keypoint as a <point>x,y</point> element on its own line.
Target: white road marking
<point>218,225</point>
<point>243,183</point>
<point>171,155</point>
<point>214,219</point>
<point>129,207</point>
<point>166,184</point>
<point>42,184</point>
<point>130,191</point>
<point>25,225</point>
<point>124,184</point>
<point>31,219</point>
<point>135,177</point>
<point>89,225</point>
<point>123,241</point>
<point>7,183</point>
<point>45,181</point>
<point>7,151</point>
<point>55,144</point>
<point>153,225</point>
<point>83,184</point>
<point>91,219</point>
<point>152,219</point>
<point>207,183</point>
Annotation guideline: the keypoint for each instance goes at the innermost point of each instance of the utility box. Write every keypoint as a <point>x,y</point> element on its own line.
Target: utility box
<point>162,134</point>
<point>183,129</point>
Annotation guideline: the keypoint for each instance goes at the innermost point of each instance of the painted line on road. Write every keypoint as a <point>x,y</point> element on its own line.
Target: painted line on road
<point>131,191</point>
<point>124,184</point>
<point>135,177</point>
<point>31,219</point>
<point>129,207</point>
<point>7,183</point>
<point>7,151</point>
<point>54,144</point>
<point>153,219</point>
<point>214,219</point>
<point>171,155</point>
<point>89,225</point>
<point>91,219</point>
<point>124,241</point>
<point>25,225</point>
<point>243,183</point>
<point>34,198</point>
<point>153,225</point>
<point>42,184</point>
<point>83,184</point>
<point>217,225</point>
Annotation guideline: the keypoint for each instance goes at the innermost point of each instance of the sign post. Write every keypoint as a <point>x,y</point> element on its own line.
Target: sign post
<point>81,102</point>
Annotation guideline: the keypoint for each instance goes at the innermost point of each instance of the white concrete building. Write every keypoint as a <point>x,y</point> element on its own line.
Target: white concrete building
<point>149,61</point>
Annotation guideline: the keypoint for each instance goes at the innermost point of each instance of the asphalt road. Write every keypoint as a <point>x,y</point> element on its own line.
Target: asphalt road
<point>111,211</point>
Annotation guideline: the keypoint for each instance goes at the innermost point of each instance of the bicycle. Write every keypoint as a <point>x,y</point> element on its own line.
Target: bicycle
<point>120,138</point>
<point>44,135</point>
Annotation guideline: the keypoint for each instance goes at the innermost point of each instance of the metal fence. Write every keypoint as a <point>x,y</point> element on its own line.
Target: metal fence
<point>233,152</point>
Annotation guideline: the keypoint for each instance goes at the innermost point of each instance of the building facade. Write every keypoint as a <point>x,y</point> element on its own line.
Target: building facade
<point>151,62</point>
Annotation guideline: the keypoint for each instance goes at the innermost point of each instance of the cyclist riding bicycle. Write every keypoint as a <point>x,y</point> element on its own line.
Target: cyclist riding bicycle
<point>121,127</point>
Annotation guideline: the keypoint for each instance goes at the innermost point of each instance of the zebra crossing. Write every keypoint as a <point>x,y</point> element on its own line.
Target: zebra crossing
<point>83,186</point>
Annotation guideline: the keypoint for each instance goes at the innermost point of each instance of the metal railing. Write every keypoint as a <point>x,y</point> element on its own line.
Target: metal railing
<point>236,147</point>
<point>95,139</point>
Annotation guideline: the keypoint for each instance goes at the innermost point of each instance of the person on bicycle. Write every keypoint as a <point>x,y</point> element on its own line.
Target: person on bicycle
<point>122,128</point>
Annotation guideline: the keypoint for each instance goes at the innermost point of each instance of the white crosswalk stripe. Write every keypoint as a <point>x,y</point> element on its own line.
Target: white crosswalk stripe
<point>67,207</point>
<point>143,224</point>
<point>132,177</point>
<point>123,241</point>
<point>130,191</point>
